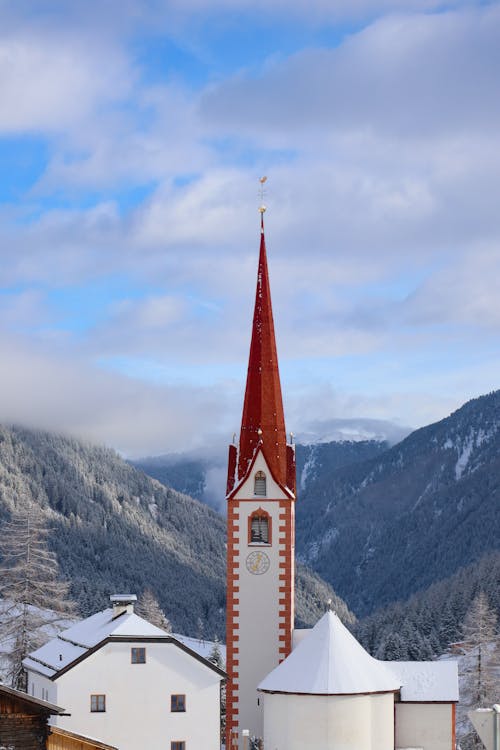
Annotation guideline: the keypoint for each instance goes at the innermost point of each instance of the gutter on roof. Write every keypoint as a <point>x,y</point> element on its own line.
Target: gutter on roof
<point>326,695</point>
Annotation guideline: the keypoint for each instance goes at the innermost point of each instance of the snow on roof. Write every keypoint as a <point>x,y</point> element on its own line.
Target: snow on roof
<point>200,646</point>
<point>330,661</point>
<point>75,641</point>
<point>427,681</point>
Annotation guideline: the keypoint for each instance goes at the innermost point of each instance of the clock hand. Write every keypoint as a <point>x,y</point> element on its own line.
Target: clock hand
<point>256,564</point>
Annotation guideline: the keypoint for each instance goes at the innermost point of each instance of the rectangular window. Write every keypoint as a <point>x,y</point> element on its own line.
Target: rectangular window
<point>138,655</point>
<point>97,703</point>
<point>177,703</point>
<point>178,745</point>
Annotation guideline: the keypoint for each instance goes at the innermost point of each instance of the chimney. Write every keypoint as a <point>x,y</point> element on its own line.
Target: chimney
<point>122,603</point>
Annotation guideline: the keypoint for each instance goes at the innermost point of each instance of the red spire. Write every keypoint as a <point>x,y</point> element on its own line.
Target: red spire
<point>263,407</point>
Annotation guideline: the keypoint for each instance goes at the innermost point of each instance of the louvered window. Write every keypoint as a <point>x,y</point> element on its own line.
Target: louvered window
<point>260,529</point>
<point>260,484</point>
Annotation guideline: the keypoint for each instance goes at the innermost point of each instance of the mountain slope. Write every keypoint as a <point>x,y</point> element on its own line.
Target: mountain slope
<point>115,529</point>
<point>435,614</point>
<point>205,478</point>
<point>382,529</point>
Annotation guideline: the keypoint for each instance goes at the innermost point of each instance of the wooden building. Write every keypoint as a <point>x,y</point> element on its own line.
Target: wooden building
<point>24,725</point>
<point>61,739</point>
<point>24,720</point>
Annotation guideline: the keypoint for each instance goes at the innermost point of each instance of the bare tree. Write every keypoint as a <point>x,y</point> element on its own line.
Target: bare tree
<point>149,608</point>
<point>33,595</point>
<point>479,684</point>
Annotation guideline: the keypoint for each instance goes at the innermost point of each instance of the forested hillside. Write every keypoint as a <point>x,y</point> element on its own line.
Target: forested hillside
<point>114,529</point>
<point>429,621</point>
<point>198,477</point>
<point>382,529</point>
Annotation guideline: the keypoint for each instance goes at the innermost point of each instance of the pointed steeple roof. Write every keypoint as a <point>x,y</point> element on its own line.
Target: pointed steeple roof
<point>263,421</point>
<point>330,661</point>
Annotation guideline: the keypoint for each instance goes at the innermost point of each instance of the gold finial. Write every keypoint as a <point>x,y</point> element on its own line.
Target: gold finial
<point>262,193</point>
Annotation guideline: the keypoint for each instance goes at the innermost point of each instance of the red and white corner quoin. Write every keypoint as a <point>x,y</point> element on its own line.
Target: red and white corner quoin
<point>260,526</point>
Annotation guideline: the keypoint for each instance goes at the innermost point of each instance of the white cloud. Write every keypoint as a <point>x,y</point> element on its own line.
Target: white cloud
<point>415,76</point>
<point>51,81</point>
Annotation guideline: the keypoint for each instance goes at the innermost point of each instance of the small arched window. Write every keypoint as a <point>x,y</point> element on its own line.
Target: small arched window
<point>260,484</point>
<point>259,527</point>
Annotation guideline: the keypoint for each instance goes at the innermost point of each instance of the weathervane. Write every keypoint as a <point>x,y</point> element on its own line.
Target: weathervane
<point>262,193</point>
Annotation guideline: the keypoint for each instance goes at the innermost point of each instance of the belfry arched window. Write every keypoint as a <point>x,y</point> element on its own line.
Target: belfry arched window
<point>259,527</point>
<point>260,487</point>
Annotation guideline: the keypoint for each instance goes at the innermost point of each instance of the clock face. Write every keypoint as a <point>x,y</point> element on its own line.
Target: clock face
<point>257,563</point>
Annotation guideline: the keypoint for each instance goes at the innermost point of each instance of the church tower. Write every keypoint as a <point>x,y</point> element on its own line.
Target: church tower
<point>260,527</point>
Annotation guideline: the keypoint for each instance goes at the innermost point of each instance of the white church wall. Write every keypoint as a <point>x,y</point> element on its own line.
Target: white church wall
<point>382,721</point>
<point>258,635</point>
<point>258,606</point>
<point>298,635</point>
<point>427,725</point>
<point>138,711</point>
<point>273,489</point>
<point>316,722</point>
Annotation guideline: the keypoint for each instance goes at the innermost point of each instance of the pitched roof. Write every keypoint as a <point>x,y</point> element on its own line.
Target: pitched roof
<point>86,636</point>
<point>263,405</point>
<point>43,707</point>
<point>330,661</point>
<point>82,739</point>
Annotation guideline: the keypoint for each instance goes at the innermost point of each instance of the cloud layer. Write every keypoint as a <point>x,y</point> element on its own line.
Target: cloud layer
<point>128,264</point>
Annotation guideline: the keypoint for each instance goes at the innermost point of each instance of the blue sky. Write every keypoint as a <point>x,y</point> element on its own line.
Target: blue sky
<point>132,137</point>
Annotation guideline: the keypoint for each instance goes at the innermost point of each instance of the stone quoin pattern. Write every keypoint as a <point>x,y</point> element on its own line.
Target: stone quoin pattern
<point>260,601</point>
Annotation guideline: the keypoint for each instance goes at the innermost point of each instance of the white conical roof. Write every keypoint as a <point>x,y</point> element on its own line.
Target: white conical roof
<point>330,661</point>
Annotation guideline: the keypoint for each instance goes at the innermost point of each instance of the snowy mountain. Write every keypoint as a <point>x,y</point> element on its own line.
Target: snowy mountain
<point>115,529</point>
<point>382,521</point>
<point>409,516</point>
<point>205,478</point>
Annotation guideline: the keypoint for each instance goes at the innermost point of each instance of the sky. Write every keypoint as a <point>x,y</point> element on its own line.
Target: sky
<point>133,134</point>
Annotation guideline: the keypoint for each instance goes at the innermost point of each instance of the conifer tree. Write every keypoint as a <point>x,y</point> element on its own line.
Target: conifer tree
<point>149,608</point>
<point>215,655</point>
<point>33,595</point>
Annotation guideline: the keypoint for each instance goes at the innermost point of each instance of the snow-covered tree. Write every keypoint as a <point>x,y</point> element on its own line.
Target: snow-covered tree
<point>481,661</point>
<point>481,653</point>
<point>392,648</point>
<point>215,655</point>
<point>33,595</point>
<point>149,608</point>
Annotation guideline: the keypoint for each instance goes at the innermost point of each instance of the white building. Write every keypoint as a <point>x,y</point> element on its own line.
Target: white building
<point>330,694</point>
<point>128,683</point>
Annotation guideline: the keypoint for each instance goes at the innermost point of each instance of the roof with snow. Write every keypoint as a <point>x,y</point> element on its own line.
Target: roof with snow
<point>427,681</point>
<point>86,636</point>
<point>330,661</point>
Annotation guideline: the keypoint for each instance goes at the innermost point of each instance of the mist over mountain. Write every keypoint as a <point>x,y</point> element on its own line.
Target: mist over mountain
<point>382,521</point>
<point>382,529</point>
<point>114,529</point>
<point>204,477</point>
